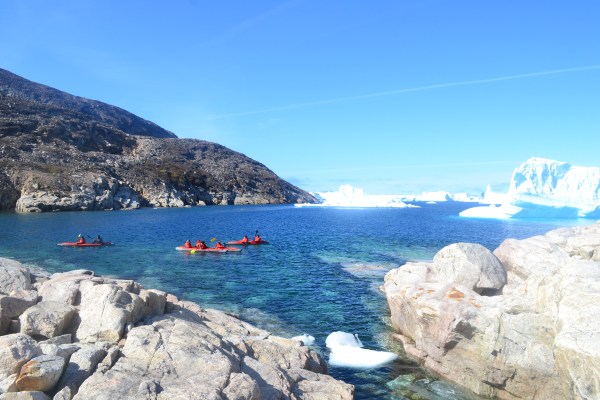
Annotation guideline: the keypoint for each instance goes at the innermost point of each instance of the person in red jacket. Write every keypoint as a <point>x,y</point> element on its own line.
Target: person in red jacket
<point>245,239</point>
<point>80,239</point>
<point>188,244</point>
<point>219,245</point>
<point>201,245</point>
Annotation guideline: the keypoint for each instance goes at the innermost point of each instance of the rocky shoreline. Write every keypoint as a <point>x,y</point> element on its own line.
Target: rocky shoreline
<point>519,323</point>
<point>76,335</point>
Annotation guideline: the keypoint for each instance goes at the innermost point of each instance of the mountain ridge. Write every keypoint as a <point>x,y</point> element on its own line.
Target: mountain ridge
<point>64,152</point>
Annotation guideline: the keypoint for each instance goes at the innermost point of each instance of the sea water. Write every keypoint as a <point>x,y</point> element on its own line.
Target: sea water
<point>320,273</point>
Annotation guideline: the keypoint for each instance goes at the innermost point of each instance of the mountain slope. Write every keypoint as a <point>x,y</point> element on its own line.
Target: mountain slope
<point>63,152</point>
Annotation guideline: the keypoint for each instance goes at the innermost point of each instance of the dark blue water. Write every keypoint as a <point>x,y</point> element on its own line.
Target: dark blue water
<point>320,274</point>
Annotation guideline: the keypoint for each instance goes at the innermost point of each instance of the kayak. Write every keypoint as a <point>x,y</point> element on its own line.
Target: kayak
<point>75,244</point>
<point>209,250</point>
<point>247,243</point>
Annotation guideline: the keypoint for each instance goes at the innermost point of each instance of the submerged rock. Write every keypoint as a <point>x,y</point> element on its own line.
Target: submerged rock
<point>537,339</point>
<point>123,341</point>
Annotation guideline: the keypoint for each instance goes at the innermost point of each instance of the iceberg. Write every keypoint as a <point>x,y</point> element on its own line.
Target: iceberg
<point>543,188</point>
<point>348,196</point>
<point>347,351</point>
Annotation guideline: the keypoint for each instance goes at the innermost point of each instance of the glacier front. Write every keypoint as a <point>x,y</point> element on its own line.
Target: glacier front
<point>543,188</point>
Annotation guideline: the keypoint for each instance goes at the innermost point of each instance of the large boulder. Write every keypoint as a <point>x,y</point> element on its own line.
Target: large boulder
<point>105,311</point>
<point>13,276</point>
<point>471,265</point>
<point>16,350</point>
<point>46,319</point>
<point>538,339</point>
<point>41,373</point>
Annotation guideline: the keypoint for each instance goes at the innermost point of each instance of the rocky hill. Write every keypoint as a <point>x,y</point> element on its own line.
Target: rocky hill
<point>63,152</point>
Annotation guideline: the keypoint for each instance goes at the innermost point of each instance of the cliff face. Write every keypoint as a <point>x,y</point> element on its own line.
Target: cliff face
<point>63,152</point>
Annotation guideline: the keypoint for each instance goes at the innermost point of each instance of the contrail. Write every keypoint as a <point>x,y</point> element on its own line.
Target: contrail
<point>407,90</point>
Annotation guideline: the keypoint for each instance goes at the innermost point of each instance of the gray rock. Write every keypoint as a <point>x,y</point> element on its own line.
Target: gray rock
<point>46,319</point>
<point>13,306</point>
<point>16,350</point>
<point>471,265</point>
<point>64,288</point>
<point>40,373</point>
<point>13,276</point>
<point>105,310</point>
<point>33,395</point>
<point>8,383</point>
<point>81,365</point>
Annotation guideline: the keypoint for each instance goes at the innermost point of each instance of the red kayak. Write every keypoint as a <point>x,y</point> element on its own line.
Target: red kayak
<point>249,242</point>
<point>208,250</point>
<point>75,244</point>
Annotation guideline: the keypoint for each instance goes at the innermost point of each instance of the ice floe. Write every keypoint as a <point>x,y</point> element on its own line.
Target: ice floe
<point>346,350</point>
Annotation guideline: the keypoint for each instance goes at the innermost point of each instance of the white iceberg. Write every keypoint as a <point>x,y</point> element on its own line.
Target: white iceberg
<point>348,196</point>
<point>346,350</point>
<point>542,188</point>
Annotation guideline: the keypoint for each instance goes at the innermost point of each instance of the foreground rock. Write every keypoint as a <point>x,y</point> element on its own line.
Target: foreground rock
<point>111,339</point>
<point>536,337</point>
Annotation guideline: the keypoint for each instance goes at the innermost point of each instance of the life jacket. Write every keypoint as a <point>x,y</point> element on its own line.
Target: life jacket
<point>245,239</point>
<point>188,244</point>
<point>219,245</point>
<point>81,241</point>
<point>257,238</point>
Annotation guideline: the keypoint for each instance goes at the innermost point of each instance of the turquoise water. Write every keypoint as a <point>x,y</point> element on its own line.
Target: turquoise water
<point>320,273</point>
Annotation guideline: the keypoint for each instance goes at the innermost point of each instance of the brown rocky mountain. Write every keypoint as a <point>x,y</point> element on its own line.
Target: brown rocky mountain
<point>63,152</point>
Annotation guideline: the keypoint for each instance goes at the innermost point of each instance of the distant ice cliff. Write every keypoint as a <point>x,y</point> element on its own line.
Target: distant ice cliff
<point>542,188</point>
<point>349,196</point>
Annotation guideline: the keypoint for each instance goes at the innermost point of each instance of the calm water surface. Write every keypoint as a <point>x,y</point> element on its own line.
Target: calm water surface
<point>320,274</point>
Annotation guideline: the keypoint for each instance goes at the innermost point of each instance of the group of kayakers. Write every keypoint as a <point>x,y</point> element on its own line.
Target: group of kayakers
<point>200,244</point>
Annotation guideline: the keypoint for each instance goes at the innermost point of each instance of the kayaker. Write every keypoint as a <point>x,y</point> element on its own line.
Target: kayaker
<point>98,240</point>
<point>256,237</point>
<point>80,239</point>
<point>201,245</point>
<point>188,244</point>
<point>219,245</point>
<point>245,239</point>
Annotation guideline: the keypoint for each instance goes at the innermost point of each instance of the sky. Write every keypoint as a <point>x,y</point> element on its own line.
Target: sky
<point>392,96</point>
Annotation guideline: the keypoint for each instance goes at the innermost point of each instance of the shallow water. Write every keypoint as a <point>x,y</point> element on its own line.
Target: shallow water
<point>320,273</point>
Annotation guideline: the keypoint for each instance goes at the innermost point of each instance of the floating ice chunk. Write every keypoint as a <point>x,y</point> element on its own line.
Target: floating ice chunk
<point>346,351</point>
<point>502,212</point>
<point>355,357</point>
<point>307,339</point>
<point>340,338</point>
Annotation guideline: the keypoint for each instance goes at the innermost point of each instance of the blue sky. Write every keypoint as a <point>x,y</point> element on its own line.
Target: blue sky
<point>390,96</point>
